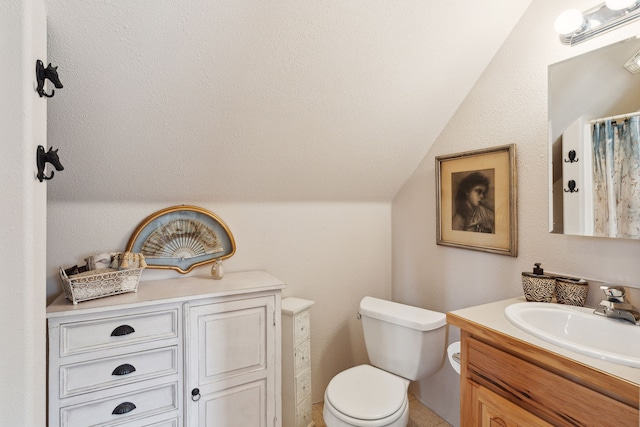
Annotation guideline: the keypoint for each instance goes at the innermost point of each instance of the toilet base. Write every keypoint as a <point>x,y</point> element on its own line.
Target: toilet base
<point>331,420</point>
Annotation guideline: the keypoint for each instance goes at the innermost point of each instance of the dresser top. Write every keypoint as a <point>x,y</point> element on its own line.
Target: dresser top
<point>171,290</point>
<point>293,306</point>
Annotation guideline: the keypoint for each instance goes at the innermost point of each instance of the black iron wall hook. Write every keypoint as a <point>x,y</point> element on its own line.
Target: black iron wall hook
<point>572,187</point>
<point>572,157</point>
<point>43,157</point>
<point>50,73</point>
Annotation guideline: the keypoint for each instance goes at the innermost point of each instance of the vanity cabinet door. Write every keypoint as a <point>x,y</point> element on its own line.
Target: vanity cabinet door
<point>495,411</point>
<point>232,364</point>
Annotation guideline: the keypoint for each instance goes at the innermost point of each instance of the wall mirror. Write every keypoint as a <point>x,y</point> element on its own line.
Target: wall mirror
<point>594,152</point>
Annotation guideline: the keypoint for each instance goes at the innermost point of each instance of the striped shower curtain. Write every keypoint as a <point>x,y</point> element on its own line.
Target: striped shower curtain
<point>616,177</point>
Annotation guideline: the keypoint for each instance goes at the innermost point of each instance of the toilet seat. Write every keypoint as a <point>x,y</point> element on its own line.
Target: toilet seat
<point>367,396</point>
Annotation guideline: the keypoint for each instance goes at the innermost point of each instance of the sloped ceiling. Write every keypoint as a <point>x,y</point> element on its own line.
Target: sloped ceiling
<point>246,100</point>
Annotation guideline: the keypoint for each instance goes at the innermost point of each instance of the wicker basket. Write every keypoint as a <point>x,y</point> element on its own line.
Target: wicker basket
<point>99,283</point>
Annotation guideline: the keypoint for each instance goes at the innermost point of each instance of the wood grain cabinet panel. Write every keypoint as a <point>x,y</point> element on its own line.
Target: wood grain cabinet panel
<point>495,411</point>
<point>558,399</point>
<point>499,388</point>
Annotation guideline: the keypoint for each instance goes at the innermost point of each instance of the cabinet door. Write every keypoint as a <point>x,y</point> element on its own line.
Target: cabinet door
<point>496,411</point>
<point>232,364</point>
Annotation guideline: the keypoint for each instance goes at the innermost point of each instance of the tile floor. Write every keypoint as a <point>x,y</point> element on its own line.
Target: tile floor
<point>419,415</point>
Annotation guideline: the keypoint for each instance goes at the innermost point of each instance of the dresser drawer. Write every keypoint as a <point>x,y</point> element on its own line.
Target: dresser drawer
<point>303,385</point>
<point>173,422</point>
<point>301,327</point>
<point>113,371</point>
<point>302,357</point>
<point>121,408</point>
<point>80,337</point>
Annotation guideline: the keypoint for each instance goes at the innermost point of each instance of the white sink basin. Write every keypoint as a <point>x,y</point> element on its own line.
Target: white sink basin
<point>579,330</point>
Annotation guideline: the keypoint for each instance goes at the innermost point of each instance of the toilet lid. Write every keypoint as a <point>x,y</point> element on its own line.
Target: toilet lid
<point>367,393</point>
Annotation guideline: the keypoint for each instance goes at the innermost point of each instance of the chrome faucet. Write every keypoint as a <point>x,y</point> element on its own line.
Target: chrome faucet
<point>615,306</point>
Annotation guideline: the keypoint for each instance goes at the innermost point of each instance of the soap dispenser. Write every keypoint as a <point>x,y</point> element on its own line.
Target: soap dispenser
<point>537,286</point>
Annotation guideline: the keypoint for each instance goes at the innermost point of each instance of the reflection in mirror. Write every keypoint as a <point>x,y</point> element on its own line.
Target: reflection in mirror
<point>594,126</point>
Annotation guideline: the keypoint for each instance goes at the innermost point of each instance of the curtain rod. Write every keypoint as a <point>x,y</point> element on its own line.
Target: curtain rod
<point>612,118</point>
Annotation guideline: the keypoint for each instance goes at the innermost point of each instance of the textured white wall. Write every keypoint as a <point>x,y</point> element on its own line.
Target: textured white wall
<point>244,100</point>
<point>331,253</point>
<point>23,118</point>
<point>507,105</point>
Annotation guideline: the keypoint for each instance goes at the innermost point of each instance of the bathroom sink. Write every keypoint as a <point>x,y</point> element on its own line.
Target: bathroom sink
<point>579,330</point>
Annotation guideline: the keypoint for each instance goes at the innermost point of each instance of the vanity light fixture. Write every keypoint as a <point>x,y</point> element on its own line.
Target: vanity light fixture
<point>575,27</point>
<point>619,4</point>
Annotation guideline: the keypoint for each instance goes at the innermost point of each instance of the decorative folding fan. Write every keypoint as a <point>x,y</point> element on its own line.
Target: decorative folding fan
<point>181,238</point>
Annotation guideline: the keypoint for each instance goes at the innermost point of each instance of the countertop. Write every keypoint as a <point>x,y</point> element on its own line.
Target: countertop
<point>491,316</point>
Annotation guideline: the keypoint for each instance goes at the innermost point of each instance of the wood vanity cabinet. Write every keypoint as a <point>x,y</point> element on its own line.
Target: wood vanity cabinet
<point>183,352</point>
<point>508,382</point>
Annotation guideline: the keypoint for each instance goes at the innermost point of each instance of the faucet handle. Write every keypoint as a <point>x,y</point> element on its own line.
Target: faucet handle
<point>614,293</point>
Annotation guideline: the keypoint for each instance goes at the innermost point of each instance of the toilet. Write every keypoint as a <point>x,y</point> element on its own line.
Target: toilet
<point>404,344</point>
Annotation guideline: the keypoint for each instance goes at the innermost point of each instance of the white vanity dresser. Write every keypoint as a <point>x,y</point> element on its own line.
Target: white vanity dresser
<point>183,352</point>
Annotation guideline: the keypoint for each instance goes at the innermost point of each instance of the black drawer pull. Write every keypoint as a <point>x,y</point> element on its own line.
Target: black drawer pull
<point>124,369</point>
<point>123,408</point>
<point>122,330</point>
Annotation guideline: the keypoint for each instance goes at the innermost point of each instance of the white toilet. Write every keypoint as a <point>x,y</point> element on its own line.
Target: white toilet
<point>404,344</point>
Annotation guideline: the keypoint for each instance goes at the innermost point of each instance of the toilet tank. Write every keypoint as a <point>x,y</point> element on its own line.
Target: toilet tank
<point>404,340</point>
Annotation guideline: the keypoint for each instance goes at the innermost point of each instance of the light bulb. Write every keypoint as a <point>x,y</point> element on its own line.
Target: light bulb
<point>569,21</point>
<point>619,4</point>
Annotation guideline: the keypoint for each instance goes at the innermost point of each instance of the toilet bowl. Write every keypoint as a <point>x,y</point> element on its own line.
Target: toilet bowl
<point>404,343</point>
<point>366,396</point>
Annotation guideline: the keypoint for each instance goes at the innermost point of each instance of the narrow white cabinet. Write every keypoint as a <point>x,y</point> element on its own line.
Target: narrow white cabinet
<point>129,360</point>
<point>233,365</point>
<point>296,362</point>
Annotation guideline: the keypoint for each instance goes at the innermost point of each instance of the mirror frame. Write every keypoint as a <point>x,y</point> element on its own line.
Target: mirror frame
<point>574,94</point>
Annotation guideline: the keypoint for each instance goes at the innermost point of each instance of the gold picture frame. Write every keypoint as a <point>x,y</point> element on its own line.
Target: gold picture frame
<point>476,200</point>
<point>181,238</point>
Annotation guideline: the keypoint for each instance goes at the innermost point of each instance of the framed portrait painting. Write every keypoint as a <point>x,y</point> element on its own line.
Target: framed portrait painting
<point>476,200</point>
